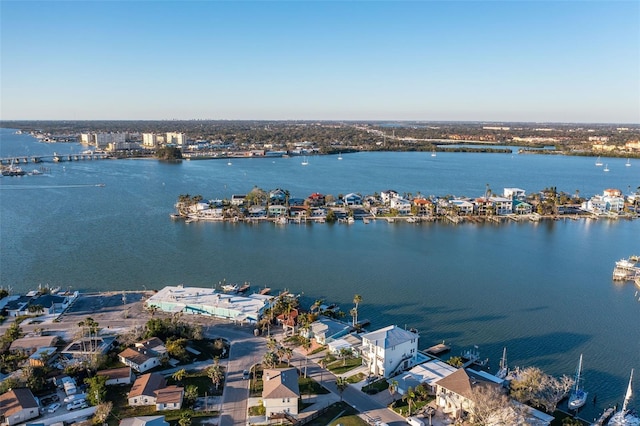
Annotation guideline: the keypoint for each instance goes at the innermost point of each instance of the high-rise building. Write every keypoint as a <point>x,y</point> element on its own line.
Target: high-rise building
<point>177,139</point>
<point>149,140</point>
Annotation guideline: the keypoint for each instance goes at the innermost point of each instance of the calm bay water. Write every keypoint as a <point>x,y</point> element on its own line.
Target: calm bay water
<point>542,290</point>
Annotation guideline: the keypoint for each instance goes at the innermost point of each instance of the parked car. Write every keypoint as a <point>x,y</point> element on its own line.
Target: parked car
<point>53,407</point>
<point>78,403</point>
<point>75,397</point>
<point>246,374</point>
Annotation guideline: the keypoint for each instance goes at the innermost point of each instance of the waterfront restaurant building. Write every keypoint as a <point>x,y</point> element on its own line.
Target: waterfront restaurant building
<point>208,302</point>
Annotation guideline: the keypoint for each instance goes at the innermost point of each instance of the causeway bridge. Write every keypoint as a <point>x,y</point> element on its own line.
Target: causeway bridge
<point>56,158</point>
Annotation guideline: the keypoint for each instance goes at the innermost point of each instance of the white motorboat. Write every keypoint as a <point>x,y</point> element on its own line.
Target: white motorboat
<point>578,396</point>
<point>625,417</point>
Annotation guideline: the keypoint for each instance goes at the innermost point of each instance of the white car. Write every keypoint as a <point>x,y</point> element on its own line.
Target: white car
<point>53,407</point>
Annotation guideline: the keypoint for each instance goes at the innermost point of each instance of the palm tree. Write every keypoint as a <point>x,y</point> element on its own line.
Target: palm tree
<point>270,359</point>
<point>356,300</point>
<point>341,384</point>
<point>410,396</point>
<point>288,354</point>
<point>179,375</point>
<point>215,373</point>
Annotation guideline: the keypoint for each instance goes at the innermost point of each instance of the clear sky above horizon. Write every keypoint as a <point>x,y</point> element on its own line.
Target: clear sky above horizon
<point>558,61</point>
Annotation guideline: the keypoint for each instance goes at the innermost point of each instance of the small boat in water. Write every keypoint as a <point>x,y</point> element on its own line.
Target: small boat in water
<point>626,417</point>
<point>598,162</point>
<point>606,168</point>
<point>305,162</point>
<point>578,396</point>
<point>628,164</point>
<point>230,288</point>
<point>244,287</point>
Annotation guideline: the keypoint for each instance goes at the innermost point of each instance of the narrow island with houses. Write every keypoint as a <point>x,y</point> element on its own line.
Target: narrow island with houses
<point>279,206</point>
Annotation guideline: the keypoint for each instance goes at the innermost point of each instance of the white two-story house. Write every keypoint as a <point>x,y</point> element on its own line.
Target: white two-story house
<point>389,350</point>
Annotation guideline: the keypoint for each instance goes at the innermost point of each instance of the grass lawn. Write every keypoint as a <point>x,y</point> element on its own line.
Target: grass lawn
<point>201,381</point>
<point>341,413</point>
<point>375,387</point>
<point>356,378</point>
<point>342,366</point>
<point>402,407</point>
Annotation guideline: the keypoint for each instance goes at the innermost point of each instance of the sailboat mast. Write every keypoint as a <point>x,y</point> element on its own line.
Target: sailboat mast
<point>627,396</point>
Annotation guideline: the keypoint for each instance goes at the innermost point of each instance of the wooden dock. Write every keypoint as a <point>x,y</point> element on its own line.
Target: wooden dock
<point>438,349</point>
<point>604,417</point>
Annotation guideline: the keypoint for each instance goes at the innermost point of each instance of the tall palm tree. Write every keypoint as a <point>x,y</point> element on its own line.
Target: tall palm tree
<point>356,300</point>
<point>341,384</point>
<point>410,397</point>
<point>215,373</point>
<point>288,354</point>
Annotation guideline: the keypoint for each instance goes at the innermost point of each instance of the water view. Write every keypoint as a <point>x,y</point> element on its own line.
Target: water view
<point>543,290</point>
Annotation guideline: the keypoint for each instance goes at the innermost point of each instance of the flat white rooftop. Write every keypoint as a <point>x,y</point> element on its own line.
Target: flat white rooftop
<point>207,301</point>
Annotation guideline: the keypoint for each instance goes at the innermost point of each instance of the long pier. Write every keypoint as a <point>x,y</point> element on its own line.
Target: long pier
<point>56,158</point>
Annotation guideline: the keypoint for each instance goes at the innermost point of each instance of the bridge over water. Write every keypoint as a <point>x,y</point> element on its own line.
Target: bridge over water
<point>56,158</point>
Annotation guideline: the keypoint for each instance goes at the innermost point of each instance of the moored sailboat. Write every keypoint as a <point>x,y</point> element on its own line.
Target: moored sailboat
<point>598,162</point>
<point>504,370</point>
<point>578,395</point>
<point>625,417</point>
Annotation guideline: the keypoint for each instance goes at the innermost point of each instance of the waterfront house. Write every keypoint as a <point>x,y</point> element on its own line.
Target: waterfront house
<point>140,359</point>
<point>325,329</point>
<point>276,210</point>
<point>611,201</point>
<point>16,305</point>
<point>522,207</point>
<point>278,196</point>
<point>51,303</point>
<point>455,392</point>
<point>18,406</point>
<point>280,392</point>
<point>389,350</point>
<point>288,321</point>
<point>483,206</point>
<point>424,207</point>
<point>169,398</point>
<point>118,376</point>
<point>144,421</point>
<point>514,194</point>
<point>143,391</point>
<point>351,342</point>
<point>208,302</point>
<point>387,195</point>
<point>462,207</point>
<point>502,206</point>
<point>28,345</point>
<point>401,205</point>
<point>315,200</point>
<point>238,199</point>
<point>352,199</point>
<point>427,373</point>
<point>257,212</point>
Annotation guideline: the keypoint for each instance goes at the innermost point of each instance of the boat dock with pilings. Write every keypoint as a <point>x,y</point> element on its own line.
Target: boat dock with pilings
<point>627,269</point>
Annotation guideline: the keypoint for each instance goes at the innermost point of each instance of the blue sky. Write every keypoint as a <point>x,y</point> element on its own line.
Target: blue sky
<point>563,61</point>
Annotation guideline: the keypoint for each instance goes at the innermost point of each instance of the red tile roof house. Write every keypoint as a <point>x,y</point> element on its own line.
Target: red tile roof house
<point>17,406</point>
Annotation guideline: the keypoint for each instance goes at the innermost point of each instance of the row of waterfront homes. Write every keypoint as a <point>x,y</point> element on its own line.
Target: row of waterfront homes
<point>513,201</point>
<point>390,352</point>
